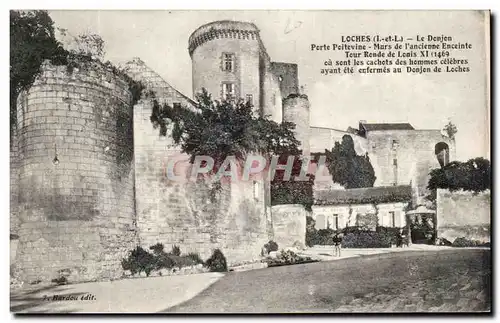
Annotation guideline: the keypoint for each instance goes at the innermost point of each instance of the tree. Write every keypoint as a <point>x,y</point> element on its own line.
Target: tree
<point>229,128</point>
<point>347,168</point>
<point>451,130</point>
<point>223,129</point>
<point>473,175</point>
<point>85,44</point>
<point>32,41</point>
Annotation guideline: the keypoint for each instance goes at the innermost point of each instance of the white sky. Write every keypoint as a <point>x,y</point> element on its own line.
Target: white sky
<point>426,101</point>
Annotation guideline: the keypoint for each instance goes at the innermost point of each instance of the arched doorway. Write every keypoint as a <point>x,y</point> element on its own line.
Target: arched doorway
<point>442,151</point>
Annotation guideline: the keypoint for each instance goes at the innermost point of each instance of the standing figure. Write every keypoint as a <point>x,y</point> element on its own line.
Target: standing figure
<point>399,239</point>
<point>337,242</point>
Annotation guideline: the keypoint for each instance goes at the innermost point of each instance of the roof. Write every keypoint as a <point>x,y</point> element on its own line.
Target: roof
<point>367,195</point>
<point>386,126</point>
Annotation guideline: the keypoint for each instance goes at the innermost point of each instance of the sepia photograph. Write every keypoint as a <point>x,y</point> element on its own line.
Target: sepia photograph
<point>250,161</point>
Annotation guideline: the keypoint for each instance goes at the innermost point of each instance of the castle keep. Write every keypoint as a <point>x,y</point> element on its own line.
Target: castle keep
<point>87,167</point>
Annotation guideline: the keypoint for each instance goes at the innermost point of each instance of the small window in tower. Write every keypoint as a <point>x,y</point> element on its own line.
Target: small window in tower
<point>228,62</point>
<point>250,99</point>
<point>256,190</point>
<point>227,91</point>
<point>395,144</point>
<point>280,78</point>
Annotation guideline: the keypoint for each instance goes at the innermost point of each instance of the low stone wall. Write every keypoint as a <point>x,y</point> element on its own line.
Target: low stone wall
<point>463,214</point>
<point>289,224</point>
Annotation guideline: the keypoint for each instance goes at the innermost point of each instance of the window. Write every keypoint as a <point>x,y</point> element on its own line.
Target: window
<point>228,62</point>
<point>336,221</point>
<point>395,162</point>
<point>250,99</point>
<point>395,144</point>
<point>256,189</point>
<point>227,91</point>
<point>392,216</point>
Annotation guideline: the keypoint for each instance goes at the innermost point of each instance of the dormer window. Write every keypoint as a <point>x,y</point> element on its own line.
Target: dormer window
<point>228,62</point>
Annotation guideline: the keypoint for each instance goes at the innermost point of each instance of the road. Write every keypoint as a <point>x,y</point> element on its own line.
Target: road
<point>441,281</point>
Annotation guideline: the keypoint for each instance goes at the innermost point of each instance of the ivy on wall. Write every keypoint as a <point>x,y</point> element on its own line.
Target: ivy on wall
<point>32,41</point>
<point>220,129</point>
<point>473,175</point>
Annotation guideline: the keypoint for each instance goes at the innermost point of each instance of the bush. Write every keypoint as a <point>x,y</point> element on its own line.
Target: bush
<point>176,251</point>
<point>389,233</point>
<point>60,280</point>
<point>464,242</point>
<point>366,239</point>
<point>139,260</point>
<point>164,260</point>
<point>443,242</point>
<point>195,257</point>
<point>288,257</point>
<point>271,246</point>
<point>157,248</point>
<point>217,262</point>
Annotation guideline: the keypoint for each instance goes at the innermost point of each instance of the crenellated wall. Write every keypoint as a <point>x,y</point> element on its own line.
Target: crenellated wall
<point>210,42</point>
<point>76,174</point>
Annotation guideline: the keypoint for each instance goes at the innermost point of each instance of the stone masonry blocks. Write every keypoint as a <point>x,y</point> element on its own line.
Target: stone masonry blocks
<point>75,166</point>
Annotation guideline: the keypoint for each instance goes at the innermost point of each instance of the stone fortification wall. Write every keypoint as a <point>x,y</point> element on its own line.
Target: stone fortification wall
<point>182,213</point>
<point>76,172</point>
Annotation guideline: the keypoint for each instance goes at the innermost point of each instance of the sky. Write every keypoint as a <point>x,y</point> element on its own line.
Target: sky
<point>427,101</point>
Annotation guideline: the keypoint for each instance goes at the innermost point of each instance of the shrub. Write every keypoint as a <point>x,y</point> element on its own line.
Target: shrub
<point>366,239</point>
<point>176,251</point>
<point>464,242</point>
<point>288,257</point>
<point>60,280</point>
<point>195,257</point>
<point>164,260</point>
<point>217,262</point>
<point>271,246</point>
<point>443,242</point>
<point>157,248</point>
<point>389,233</point>
<point>139,260</point>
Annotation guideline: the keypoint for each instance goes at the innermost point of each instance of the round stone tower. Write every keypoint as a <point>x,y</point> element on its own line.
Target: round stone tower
<point>76,195</point>
<point>225,60</point>
<point>296,110</point>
